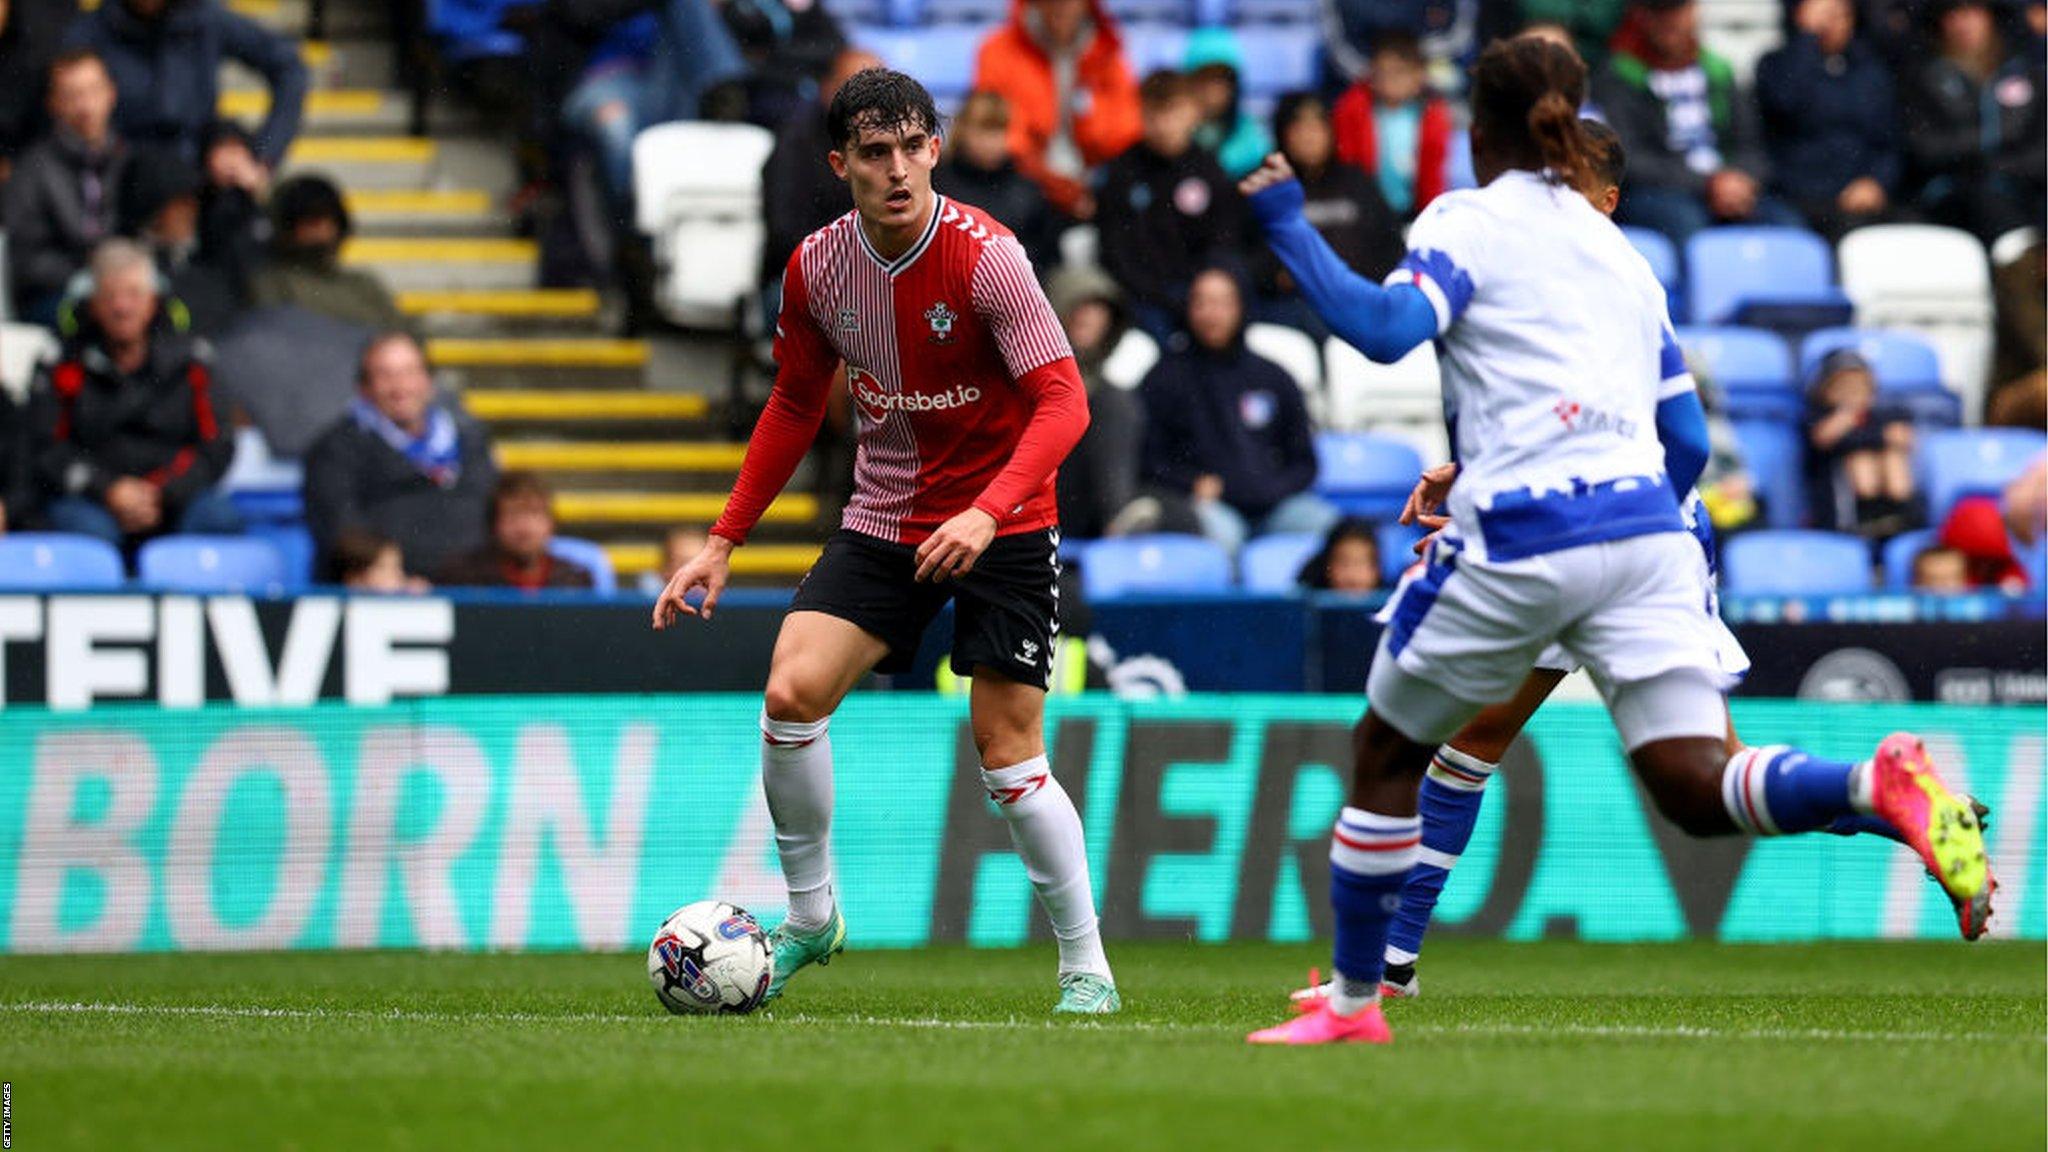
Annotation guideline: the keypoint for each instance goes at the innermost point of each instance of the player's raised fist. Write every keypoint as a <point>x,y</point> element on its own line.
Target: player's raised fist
<point>708,570</point>
<point>1275,170</point>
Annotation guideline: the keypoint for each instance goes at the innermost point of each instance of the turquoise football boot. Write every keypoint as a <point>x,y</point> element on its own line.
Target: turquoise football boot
<point>1086,994</point>
<point>793,950</point>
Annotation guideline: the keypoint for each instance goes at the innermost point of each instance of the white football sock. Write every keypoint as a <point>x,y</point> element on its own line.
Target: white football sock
<point>1047,832</point>
<point>796,773</point>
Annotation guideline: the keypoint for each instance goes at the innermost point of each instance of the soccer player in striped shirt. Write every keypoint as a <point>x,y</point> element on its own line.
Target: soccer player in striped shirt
<point>967,398</point>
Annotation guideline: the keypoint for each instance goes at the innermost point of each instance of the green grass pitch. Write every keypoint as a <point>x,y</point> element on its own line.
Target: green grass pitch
<point>1514,1046</point>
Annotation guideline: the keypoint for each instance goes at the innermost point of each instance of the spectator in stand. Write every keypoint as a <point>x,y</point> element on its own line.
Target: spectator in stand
<point>159,202</point>
<point>402,463</point>
<point>1451,32</point>
<point>165,57</point>
<point>61,199</point>
<point>978,170</point>
<point>309,224</point>
<point>678,547</point>
<point>1976,528</point>
<point>1974,126</point>
<point>234,228</point>
<point>1349,560</point>
<point>1167,208</point>
<point>1226,431</point>
<point>1215,68</point>
<point>799,193</point>
<point>31,31</point>
<point>1588,25</point>
<point>1099,478</point>
<point>366,562</point>
<point>522,527</point>
<point>1859,453</point>
<point>1344,205</point>
<point>788,46</point>
<point>1829,120</point>
<point>1391,125</point>
<point>1941,570</point>
<point>126,438</point>
<point>1694,155</point>
<point>1073,99</point>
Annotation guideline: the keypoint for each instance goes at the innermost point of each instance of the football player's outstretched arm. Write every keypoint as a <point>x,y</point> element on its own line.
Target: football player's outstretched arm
<point>804,363</point>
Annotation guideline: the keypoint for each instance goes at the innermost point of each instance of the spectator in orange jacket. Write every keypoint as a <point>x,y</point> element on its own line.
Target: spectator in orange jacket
<point>1060,135</point>
<point>1390,124</point>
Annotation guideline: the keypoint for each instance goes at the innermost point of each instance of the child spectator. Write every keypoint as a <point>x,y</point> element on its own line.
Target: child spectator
<point>1167,209</point>
<point>1391,125</point>
<point>367,562</point>
<point>978,170</point>
<point>678,547</point>
<point>1976,529</point>
<point>1860,454</point>
<point>1349,560</point>
<point>1941,570</point>
<point>1215,66</point>
<point>522,528</point>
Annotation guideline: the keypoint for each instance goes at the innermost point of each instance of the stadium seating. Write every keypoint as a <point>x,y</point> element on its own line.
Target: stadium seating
<point>57,561</point>
<point>590,555</point>
<point>1959,462</point>
<point>1662,255</point>
<point>1296,352</point>
<point>263,488</point>
<point>294,544</point>
<point>1776,459</point>
<point>1364,474</point>
<point>1742,31</point>
<point>1362,393</point>
<point>1176,13</point>
<point>1130,360</point>
<point>22,348</point>
<point>211,564</point>
<point>1278,58</point>
<point>1272,564</point>
<point>1397,548</point>
<point>1751,368</point>
<point>705,218</point>
<point>1898,555</point>
<point>1781,278</point>
<point>1907,370</point>
<point>1932,281</point>
<point>1795,562</point>
<point>941,56</point>
<point>1155,563</point>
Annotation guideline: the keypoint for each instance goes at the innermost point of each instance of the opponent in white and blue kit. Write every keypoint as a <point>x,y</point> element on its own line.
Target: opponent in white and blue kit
<point>1576,426</point>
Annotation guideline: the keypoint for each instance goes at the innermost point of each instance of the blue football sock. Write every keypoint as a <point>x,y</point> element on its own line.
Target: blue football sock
<point>1865,826</point>
<point>1778,790</point>
<point>1370,856</point>
<point>1451,797</point>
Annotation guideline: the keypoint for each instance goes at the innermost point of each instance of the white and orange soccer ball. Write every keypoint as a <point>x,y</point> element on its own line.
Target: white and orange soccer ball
<point>710,957</point>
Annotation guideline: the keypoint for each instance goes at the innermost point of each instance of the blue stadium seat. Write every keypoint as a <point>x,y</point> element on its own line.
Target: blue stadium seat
<point>1752,369</point>
<point>294,542</point>
<point>1304,12</point>
<point>1279,58</point>
<point>1776,459</point>
<point>1958,462</point>
<point>1775,277</point>
<point>591,555</point>
<point>1273,563</point>
<point>1907,368</point>
<point>1397,549</point>
<point>852,12</point>
<point>1795,562</point>
<point>1155,47</point>
<point>1898,556</point>
<point>1155,563</point>
<point>941,57</point>
<point>1366,475</point>
<point>984,13</point>
<point>1173,12</point>
<point>211,564</point>
<point>58,562</point>
<point>1662,254</point>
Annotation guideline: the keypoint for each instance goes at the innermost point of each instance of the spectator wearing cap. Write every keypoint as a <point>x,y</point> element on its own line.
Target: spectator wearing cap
<point>1859,452</point>
<point>1975,125</point>
<point>62,199</point>
<point>166,55</point>
<point>127,438</point>
<point>160,209</point>
<point>31,33</point>
<point>1342,204</point>
<point>1830,121</point>
<point>1215,68</point>
<point>1695,156</point>
<point>1167,208</point>
<point>978,170</point>
<point>522,521</point>
<point>401,464</point>
<point>1073,98</point>
<point>309,223</point>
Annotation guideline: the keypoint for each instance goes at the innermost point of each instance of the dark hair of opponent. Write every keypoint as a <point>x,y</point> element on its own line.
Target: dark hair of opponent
<point>879,99</point>
<point>1526,94</point>
<point>1611,163</point>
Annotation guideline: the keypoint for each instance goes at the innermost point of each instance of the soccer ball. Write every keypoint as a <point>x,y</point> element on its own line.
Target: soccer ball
<point>710,957</point>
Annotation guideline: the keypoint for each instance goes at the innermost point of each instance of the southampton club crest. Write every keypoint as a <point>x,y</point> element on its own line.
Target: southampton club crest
<point>941,319</point>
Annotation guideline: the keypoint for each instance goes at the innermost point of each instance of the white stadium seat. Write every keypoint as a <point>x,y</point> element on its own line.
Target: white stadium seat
<point>23,347</point>
<point>1295,352</point>
<point>1403,400</point>
<point>705,218</point>
<point>1931,281</point>
<point>1132,358</point>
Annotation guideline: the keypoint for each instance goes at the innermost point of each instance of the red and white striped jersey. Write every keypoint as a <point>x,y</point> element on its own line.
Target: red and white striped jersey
<point>951,353</point>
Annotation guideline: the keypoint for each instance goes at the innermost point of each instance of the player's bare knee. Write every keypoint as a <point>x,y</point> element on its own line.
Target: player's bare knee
<point>1683,779</point>
<point>790,699</point>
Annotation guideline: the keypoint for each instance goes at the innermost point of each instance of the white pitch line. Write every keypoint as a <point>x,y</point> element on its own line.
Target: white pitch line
<point>932,1023</point>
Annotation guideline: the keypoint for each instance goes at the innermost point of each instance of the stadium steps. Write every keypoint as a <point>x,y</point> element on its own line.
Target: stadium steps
<point>328,110</point>
<point>584,408</point>
<point>660,510</point>
<point>770,563</point>
<point>408,263</point>
<point>426,212</point>
<point>663,456</point>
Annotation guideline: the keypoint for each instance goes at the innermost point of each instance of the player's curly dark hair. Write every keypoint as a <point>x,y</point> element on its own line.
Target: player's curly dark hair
<point>879,98</point>
<point>1526,94</point>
